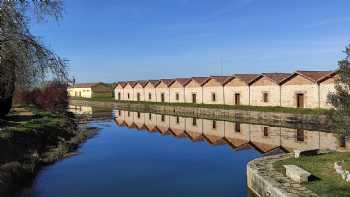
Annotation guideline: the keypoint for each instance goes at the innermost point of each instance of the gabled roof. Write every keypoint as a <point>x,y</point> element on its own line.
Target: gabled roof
<point>182,81</point>
<point>167,82</point>
<point>200,80</point>
<point>83,85</point>
<point>131,83</point>
<point>143,83</point>
<point>221,79</point>
<point>153,82</point>
<point>328,76</point>
<point>247,78</point>
<point>274,77</point>
<point>313,76</point>
<point>122,83</point>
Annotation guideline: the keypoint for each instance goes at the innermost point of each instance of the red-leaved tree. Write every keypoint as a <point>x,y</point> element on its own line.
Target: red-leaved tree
<point>53,97</point>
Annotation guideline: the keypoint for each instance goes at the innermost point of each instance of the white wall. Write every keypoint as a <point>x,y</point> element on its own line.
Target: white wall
<point>80,92</point>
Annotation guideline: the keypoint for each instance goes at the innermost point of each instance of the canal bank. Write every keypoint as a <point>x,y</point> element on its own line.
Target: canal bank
<point>306,121</point>
<point>31,139</point>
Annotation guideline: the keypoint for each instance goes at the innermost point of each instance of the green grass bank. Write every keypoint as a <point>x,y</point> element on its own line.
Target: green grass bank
<point>327,182</point>
<point>30,139</point>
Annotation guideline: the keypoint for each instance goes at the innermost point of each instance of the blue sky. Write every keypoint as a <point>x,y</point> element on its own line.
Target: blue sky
<point>114,40</point>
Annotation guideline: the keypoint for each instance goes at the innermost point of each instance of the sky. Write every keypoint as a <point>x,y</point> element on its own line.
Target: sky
<point>116,40</point>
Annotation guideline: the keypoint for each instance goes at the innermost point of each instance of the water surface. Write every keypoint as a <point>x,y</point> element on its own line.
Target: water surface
<point>142,154</point>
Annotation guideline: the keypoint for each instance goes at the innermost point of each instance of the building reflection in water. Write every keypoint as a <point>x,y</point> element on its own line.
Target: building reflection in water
<point>80,110</point>
<point>265,139</point>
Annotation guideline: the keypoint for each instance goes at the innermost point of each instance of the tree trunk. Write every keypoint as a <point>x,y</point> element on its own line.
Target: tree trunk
<point>7,89</point>
<point>5,106</point>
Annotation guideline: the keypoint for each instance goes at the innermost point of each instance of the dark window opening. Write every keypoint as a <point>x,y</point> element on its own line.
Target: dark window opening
<point>194,98</point>
<point>138,97</point>
<point>300,135</point>
<point>138,115</point>
<point>300,100</point>
<point>214,124</point>
<point>149,96</point>
<point>213,97</point>
<point>177,119</point>
<point>266,131</point>
<point>150,116</point>
<point>162,97</point>
<point>163,118</point>
<point>237,99</point>
<point>238,127</point>
<point>177,96</point>
<point>194,121</point>
<point>266,97</point>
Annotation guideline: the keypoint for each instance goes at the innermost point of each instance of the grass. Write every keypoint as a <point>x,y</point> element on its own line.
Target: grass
<point>39,121</point>
<point>237,107</point>
<point>328,182</point>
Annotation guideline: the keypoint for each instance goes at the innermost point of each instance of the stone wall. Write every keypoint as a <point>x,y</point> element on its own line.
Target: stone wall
<point>301,121</point>
<point>210,88</point>
<point>265,181</point>
<point>326,87</point>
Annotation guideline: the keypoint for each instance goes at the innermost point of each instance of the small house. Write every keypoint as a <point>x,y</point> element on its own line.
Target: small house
<point>119,90</point>
<point>265,89</point>
<point>301,89</point>
<point>194,90</point>
<point>163,90</point>
<point>237,89</point>
<point>177,90</point>
<point>139,91</point>
<point>150,90</point>
<point>213,90</point>
<point>129,90</point>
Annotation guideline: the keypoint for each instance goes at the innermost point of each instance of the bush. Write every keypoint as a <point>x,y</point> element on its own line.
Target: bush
<point>53,97</point>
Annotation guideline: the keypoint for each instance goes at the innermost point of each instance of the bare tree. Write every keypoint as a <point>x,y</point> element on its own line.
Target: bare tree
<point>24,60</point>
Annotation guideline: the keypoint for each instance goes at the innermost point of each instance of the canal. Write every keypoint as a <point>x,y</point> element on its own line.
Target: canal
<point>143,154</point>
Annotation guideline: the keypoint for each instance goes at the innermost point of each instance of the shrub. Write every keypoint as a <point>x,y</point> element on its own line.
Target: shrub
<point>53,97</point>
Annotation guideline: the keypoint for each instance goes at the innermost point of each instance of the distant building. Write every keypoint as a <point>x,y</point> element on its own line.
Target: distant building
<point>129,90</point>
<point>89,90</point>
<point>139,91</point>
<point>119,90</point>
<point>303,89</point>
